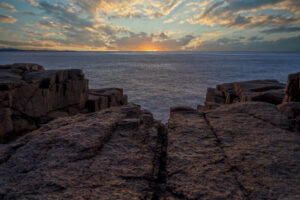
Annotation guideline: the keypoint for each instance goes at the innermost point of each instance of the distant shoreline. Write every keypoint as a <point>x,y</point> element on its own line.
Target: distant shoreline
<point>28,50</point>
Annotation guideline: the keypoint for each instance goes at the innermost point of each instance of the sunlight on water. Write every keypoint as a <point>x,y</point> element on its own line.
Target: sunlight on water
<point>159,80</point>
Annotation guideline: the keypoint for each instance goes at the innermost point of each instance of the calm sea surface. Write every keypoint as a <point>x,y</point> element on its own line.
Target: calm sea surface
<point>159,80</point>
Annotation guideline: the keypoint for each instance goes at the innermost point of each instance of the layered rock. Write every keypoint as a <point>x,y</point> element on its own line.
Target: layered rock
<point>270,91</point>
<point>28,93</point>
<point>31,95</point>
<point>112,154</point>
<point>104,98</point>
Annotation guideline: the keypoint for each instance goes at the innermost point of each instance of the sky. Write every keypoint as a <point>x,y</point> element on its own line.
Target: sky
<point>150,25</point>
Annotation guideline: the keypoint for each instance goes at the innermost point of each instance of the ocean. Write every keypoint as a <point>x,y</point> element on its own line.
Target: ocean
<point>160,80</point>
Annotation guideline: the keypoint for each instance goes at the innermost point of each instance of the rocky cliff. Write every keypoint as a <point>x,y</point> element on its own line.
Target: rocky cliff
<point>242,144</point>
<point>31,95</point>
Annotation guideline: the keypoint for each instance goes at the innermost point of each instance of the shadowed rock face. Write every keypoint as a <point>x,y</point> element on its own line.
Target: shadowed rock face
<point>30,96</point>
<point>113,154</point>
<point>104,98</point>
<point>270,91</point>
<point>292,90</point>
<point>28,93</point>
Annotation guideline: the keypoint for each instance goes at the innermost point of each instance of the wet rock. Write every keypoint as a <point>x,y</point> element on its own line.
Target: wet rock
<point>105,155</point>
<point>292,90</point>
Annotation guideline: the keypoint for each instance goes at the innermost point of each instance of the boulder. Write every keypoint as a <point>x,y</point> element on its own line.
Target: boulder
<point>292,90</point>
<point>112,154</point>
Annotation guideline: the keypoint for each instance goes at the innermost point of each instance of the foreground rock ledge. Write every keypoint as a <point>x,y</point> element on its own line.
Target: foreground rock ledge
<point>239,151</point>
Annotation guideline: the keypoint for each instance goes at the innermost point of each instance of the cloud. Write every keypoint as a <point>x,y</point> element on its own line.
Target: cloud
<point>9,6</point>
<point>127,8</point>
<point>74,29</point>
<point>7,19</point>
<point>143,41</point>
<point>282,30</point>
<point>255,38</point>
<point>32,2</point>
<point>228,44</point>
<point>247,14</point>
<point>171,20</point>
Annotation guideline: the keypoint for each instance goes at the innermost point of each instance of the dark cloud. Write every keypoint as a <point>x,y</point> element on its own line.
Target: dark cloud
<point>143,41</point>
<point>283,44</point>
<point>282,30</point>
<point>247,14</point>
<point>255,38</point>
<point>28,13</point>
<point>7,19</point>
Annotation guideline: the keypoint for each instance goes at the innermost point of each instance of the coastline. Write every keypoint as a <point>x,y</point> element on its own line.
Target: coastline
<point>243,143</point>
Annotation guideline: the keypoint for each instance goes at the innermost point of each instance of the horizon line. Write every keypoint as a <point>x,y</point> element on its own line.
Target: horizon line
<point>50,50</point>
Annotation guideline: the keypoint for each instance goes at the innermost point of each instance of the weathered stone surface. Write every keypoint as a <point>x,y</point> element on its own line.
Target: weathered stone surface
<point>196,166</point>
<point>261,147</point>
<point>30,93</point>
<point>292,90</point>
<point>290,109</point>
<point>270,91</point>
<point>113,154</point>
<point>104,98</point>
<point>50,90</point>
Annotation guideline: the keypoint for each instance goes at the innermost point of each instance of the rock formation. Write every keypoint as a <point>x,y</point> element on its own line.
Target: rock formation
<point>112,154</point>
<point>238,146</point>
<point>104,98</point>
<point>30,96</point>
<point>292,90</point>
<point>270,91</point>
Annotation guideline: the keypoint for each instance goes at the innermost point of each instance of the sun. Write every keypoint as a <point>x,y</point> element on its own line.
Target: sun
<point>151,50</point>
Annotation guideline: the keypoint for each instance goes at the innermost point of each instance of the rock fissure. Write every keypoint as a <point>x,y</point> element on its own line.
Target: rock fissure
<point>233,168</point>
<point>160,164</point>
